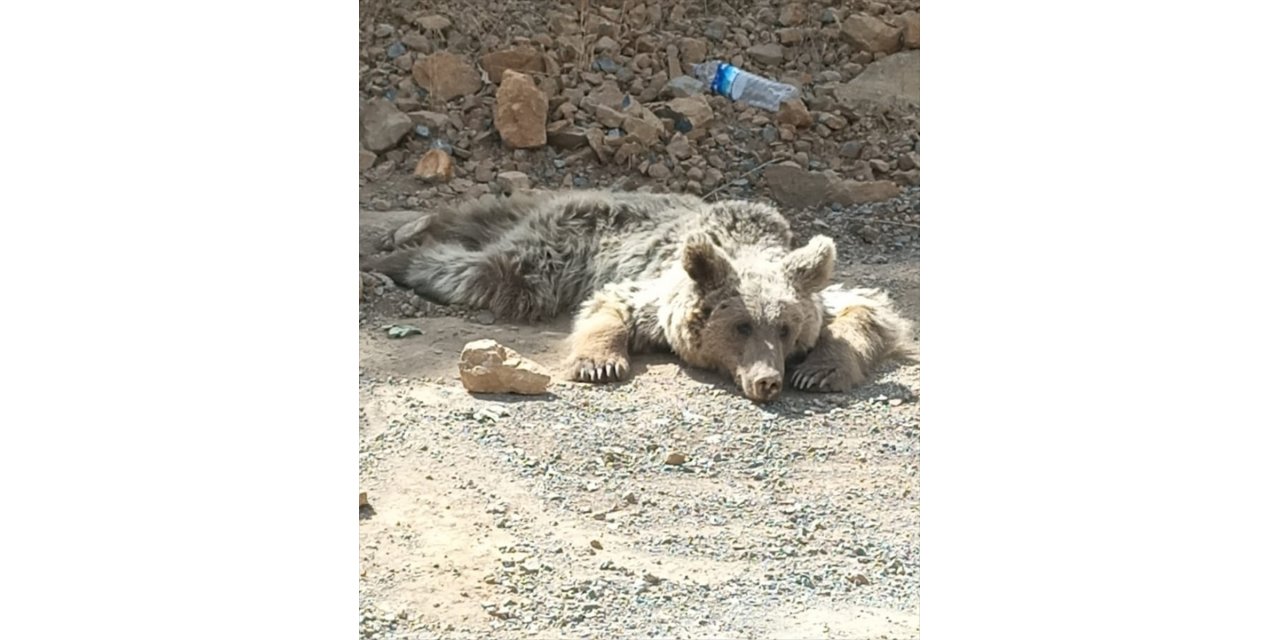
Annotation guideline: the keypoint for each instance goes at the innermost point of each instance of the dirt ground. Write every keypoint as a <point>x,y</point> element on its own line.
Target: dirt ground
<point>559,516</point>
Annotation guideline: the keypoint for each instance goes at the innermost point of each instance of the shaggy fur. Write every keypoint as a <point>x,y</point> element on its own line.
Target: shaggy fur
<point>717,284</point>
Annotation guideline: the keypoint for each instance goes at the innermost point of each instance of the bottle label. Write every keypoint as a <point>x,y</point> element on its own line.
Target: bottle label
<point>725,74</point>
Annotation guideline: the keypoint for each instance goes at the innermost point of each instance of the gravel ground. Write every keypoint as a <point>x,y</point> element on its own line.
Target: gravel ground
<point>667,505</point>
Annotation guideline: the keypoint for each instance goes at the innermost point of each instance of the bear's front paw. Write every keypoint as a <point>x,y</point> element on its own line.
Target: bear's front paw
<point>603,369</point>
<point>821,377</point>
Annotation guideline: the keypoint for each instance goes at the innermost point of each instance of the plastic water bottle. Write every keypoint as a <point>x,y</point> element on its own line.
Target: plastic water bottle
<point>743,86</point>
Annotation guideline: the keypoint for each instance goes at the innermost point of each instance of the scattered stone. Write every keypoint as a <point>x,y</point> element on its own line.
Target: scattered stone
<point>791,35</point>
<point>488,367</point>
<point>562,134</point>
<point>792,186</point>
<point>909,22</point>
<point>792,14</point>
<point>606,65</point>
<point>679,147</point>
<point>437,122</point>
<point>673,61</point>
<point>869,234</point>
<point>767,54</point>
<point>596,139</point>
<point>696,110</point>
<point>716,29</point>
<point>595,544</point>
<point>659,171</point>
<point>683,87</point>
<point>434,166</point>
<point>396,50</point>
<point>693,50</point>
<point>848,192</point>
<point>644,127</point>
<point>417,42</point>
<point>364,499</point>
<point>512,181</point>
<point>446,76</point>
<point>851,149</point>
<point>859,580</point>
<point>383,125</point>
<point>676,458</point>
<point>609,117</point>
<point>383,30</point>
<point>524,59</point>
<point>607,94</point>
<point>795,113</point>
<point>607,45</point>
<point>871,34</point>
<point>433,22</point>
<point>367,158</point>
<point>833,121</point>
<point>520,112</point>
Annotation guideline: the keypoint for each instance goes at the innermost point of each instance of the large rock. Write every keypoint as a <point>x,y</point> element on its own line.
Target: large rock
<point>446,76</point>
<point>849,192</point>
<point>382,125</point>
<point>520,113</point>
<point>792,186</point>
<point>488,367</point>
<point>524,59</point>
<point>872,34</point>
<point>367,158</point>
<point>891,81</point>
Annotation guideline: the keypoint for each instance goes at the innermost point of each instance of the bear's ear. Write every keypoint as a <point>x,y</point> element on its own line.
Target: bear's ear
<point>705,263</point>
<point>809,268</point>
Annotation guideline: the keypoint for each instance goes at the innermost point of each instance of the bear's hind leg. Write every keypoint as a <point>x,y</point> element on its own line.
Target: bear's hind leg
<point>601,332</point>
<point>862,330</point>
<point>450,274</point>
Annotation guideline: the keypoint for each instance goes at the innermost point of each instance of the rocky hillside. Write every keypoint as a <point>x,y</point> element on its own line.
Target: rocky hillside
<point>465,98</point>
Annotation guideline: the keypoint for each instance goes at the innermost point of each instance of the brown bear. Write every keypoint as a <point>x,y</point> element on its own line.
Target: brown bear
<point>716,283</point>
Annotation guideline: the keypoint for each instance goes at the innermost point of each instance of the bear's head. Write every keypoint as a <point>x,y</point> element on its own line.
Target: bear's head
<point>748,314</point>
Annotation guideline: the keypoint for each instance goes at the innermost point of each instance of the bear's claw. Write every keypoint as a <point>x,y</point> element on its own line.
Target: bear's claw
<point>821,378</point>
<point>604,370</point>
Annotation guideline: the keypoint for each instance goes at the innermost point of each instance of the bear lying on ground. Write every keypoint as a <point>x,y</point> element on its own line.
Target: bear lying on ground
<point>715,283</point>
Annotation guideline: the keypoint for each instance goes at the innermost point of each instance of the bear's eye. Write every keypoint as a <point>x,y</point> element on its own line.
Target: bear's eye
<point>744,328</point>
<point>784,332</point>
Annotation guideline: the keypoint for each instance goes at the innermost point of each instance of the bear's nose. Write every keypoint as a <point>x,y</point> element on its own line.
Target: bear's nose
<point>768,387</point>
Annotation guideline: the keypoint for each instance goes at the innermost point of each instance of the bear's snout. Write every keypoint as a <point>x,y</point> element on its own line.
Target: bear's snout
<point>762,383</point>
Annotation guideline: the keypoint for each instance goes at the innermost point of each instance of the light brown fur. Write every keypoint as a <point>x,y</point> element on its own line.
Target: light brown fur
<point>717,284</point>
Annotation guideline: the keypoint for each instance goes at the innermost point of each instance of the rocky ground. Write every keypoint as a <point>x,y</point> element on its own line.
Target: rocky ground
<point>668,505</point>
